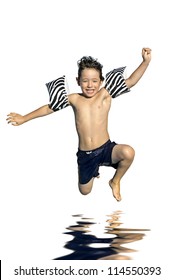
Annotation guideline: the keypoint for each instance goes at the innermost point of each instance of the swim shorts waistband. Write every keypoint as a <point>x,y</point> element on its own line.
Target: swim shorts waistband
<point>91,151</point>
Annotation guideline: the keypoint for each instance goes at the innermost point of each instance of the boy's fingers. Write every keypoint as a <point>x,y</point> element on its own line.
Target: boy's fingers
<point>9,118</point>
<point>10,122</point>
<point>13,123</point>
<point>12,114</point>
<point>148,50</point>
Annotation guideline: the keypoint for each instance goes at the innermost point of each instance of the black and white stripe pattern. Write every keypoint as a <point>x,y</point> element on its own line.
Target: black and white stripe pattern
<point>57,94</point>
<point>115,83</point>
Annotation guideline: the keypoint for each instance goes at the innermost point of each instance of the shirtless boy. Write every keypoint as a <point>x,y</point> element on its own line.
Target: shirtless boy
<point>91,108</point>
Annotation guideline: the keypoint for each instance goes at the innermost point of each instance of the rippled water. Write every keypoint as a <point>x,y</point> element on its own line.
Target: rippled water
<point>93,239</point>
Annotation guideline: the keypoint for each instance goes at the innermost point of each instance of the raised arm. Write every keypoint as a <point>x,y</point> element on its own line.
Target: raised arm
<point>17,119</point>
<point>115,83</point>
<point>138,73</point>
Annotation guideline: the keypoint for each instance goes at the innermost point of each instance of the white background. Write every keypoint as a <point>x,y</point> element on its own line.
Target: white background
<point>42,40</point>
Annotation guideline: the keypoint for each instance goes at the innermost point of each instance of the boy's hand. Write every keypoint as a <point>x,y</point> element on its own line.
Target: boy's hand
<point>146,54</point>
<point>15,119</point>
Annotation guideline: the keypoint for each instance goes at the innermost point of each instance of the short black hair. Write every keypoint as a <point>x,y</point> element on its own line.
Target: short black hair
<point>89,62</point>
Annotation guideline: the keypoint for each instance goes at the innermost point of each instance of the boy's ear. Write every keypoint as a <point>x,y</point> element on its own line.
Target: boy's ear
<point>77,80</point>
<point>101,83</point>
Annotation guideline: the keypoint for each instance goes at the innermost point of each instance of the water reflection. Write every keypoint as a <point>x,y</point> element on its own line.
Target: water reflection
<point>89,243</point>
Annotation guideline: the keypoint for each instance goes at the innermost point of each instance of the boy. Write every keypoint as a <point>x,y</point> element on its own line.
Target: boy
<point>91,108</point>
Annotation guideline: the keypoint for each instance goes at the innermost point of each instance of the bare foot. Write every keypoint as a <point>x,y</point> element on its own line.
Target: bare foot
<point>115,190</point>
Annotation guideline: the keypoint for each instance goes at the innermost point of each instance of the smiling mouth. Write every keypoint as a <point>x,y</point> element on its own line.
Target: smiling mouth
<point>90,90</point>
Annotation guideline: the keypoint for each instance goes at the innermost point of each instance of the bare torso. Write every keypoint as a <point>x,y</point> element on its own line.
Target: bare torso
<point>91,118</point>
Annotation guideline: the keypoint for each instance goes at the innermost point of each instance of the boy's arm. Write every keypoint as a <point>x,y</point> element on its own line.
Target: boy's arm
<point>115,83</point>
<point>17,119</point>
<point>58,100</point>
<point>138,73</point>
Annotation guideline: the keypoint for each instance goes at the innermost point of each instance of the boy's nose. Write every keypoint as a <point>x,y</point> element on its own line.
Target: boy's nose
<point>89,84</point>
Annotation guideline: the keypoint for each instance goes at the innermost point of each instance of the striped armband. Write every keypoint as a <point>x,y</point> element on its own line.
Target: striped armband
<point>58,98</point>
<point>115,82</point>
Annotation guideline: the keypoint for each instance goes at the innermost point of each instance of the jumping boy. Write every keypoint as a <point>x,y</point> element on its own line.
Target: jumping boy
<point>91,108</point>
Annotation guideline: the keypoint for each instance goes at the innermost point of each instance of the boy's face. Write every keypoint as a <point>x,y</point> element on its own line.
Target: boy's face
<point>89,82</point>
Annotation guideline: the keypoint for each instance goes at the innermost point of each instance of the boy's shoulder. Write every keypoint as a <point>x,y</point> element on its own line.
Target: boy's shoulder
<point>73,97</point>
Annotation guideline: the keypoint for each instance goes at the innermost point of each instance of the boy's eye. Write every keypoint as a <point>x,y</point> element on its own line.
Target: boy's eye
<point>94,81</point>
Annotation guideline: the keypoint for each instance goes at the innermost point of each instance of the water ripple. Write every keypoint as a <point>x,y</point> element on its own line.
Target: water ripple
<point>93,240</point>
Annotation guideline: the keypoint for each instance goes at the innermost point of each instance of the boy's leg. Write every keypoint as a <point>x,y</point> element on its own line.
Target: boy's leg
<point>86,188</point>
<point>124,155</point>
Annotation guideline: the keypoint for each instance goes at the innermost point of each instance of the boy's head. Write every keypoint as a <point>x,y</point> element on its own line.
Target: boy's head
<point>91,63</point>
<point>90,76</point>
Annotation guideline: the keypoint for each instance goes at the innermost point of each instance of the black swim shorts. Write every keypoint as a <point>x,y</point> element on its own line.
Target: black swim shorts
<point>90,161</point>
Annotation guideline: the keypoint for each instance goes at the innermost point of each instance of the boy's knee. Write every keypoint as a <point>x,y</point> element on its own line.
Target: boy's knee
<point>129,153</point>
<point>84,192</point>
<point>84,189</point>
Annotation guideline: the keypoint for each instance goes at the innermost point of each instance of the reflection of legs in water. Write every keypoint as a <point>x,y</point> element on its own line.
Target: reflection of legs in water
<point>123,236</point>
<point>82,245</point>
<point>114,220</point>
<point>124,155</point>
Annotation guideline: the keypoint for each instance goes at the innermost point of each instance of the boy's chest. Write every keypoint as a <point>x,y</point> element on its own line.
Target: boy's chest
<point>92,107</point>
<point>95,103</point>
